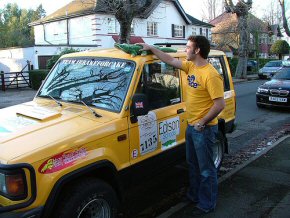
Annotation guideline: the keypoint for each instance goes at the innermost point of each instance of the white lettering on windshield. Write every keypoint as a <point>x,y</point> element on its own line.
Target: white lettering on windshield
<point>112,64</point>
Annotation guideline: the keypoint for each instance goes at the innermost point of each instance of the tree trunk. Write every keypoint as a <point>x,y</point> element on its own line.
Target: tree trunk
<point>285,24</point>
<point>241,71</point>
<point>125,32</point>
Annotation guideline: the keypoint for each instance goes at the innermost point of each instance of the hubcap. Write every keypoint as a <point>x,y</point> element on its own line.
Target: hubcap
<point>96,208</point>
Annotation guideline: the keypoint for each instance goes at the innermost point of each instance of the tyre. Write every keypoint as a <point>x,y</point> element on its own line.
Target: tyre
<point>88,198</point>
<point>261,77</point>
<point>218,150</point>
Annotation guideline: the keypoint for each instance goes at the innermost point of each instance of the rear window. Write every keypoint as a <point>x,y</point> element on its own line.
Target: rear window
<point>274,64</point>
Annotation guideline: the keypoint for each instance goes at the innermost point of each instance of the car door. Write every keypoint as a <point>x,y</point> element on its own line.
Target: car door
<point>164,126</point>
<point>228,114</point>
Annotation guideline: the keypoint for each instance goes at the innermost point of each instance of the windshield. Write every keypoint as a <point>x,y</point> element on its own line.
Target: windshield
<point>283,74</point>
<point>274,64</point>
<point>101,82</point>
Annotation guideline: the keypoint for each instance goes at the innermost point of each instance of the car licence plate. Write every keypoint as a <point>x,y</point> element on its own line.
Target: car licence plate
<point>277,99</point>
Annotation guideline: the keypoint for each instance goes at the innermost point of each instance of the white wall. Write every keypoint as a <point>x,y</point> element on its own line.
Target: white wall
<point>14,60</point>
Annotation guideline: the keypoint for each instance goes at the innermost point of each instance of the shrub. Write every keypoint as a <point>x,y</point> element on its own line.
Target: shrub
<point>54,59</point>
<point>233,65</point>
<point>36,77</point>
<point>280,47</point>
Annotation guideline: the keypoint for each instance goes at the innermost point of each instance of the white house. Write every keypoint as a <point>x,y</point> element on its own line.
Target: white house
<point>82,25</point>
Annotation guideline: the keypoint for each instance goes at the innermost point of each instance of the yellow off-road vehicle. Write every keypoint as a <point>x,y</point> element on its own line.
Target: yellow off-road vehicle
<point>98,117</point>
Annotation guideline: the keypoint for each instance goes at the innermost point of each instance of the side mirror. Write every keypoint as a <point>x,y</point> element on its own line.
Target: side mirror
<point>139,107</point>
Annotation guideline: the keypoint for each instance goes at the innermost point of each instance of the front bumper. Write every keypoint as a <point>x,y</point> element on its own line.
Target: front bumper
<point>34,213</point>
<point>263,99</point>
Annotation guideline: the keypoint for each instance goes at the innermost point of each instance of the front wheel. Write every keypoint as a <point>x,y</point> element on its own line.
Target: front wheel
<point>218,150</point>
<point>89,198</point>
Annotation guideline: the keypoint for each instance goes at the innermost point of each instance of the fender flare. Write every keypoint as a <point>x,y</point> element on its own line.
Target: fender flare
<point>77,174</point>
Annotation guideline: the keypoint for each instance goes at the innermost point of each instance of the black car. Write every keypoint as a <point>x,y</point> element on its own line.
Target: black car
<point>251,65</point>
<point>276,91</point>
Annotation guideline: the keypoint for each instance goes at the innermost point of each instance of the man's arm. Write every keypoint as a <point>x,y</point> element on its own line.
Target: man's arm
<point>218,106</point>
<point>162,55</point>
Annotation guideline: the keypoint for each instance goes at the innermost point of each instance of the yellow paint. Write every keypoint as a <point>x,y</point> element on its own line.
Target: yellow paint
<point>72,129</point>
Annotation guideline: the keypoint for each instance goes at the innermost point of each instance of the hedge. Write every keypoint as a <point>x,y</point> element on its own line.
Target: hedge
<point>36,77</point>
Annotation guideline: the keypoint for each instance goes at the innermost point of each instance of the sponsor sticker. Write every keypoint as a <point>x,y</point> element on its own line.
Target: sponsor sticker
<point>168,130</point>
<point>139,104</point>
<point>228,94</point>
<point>148,133</point>
<point>62,160</point>
<point>134,153</point>
<point>14,123</point>
<point>100,63</point>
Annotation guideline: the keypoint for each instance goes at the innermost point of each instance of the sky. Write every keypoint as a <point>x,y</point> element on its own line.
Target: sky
<point>192,7</point>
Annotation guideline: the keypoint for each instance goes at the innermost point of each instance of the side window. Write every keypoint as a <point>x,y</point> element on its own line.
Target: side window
<point>219,65</point>
<point>161,83</point>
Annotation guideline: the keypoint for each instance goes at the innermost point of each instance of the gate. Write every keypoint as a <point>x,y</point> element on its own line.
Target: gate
<point>16,79</point>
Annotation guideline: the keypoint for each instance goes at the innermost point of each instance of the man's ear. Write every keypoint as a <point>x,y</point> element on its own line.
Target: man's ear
<point>197,50</point>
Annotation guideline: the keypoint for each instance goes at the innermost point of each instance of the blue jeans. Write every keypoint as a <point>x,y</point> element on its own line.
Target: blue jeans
<point>203,186</point>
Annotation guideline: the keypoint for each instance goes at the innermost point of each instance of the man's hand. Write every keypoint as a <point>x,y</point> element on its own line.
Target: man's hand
<point>198,127</point>
<point>161,55</point>
<point>146,47</point>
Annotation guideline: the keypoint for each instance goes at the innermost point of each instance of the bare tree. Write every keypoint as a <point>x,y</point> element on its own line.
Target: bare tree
<point>241,9</point>
<point>125,11</point>
<point>211,9</point>
<point>273,13</point>
<point>285,24</point>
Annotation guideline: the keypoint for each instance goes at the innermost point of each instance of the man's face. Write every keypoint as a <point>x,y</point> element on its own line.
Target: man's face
<point>190,50</point>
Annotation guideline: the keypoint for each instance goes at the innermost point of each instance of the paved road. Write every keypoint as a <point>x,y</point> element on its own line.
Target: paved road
<point>16,96</point>
<point>252,122</point>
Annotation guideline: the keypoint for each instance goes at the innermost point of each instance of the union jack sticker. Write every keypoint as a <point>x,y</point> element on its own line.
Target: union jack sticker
<point>139,104</point>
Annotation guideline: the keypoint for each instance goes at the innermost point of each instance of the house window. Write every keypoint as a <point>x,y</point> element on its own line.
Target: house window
<point>209,35</point>
<point>111,25</point>
<point>194,31</point>
<point>151,28</point>
<point>177,30</point>
<point>132,27</point>
<point>263,39</point>
<point>204,32</point>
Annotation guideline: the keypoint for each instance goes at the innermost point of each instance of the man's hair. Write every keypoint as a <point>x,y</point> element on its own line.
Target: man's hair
<point>202,43</point>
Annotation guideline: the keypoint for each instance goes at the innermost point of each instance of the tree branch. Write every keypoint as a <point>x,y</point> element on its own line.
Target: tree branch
<point>285,24</point>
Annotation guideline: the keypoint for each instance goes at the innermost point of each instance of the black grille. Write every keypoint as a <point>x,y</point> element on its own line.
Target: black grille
<point>277,92</point>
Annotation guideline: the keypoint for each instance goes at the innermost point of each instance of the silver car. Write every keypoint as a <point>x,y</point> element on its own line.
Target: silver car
<point>270,69</point>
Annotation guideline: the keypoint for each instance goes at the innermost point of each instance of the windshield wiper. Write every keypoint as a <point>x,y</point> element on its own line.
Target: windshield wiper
<point>94,112</point>
<point>56,101</point>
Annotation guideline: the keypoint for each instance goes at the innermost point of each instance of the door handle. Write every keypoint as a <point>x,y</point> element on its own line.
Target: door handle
<point>179,111</point>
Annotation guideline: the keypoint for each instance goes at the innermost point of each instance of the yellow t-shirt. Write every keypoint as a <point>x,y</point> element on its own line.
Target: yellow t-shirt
<point>203,85</point>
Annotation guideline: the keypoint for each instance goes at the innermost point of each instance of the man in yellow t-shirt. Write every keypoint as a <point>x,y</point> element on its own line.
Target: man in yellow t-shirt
<point>204,102</point>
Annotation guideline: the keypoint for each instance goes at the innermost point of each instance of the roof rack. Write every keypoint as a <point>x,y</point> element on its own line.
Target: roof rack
<point>169,44</point>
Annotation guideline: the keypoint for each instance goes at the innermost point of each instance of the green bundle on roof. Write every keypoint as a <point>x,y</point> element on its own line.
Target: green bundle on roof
<point>135,50</point>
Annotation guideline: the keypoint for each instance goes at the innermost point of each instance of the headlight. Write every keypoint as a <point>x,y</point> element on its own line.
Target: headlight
<point>262,90</point>
<point>13,184</point>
